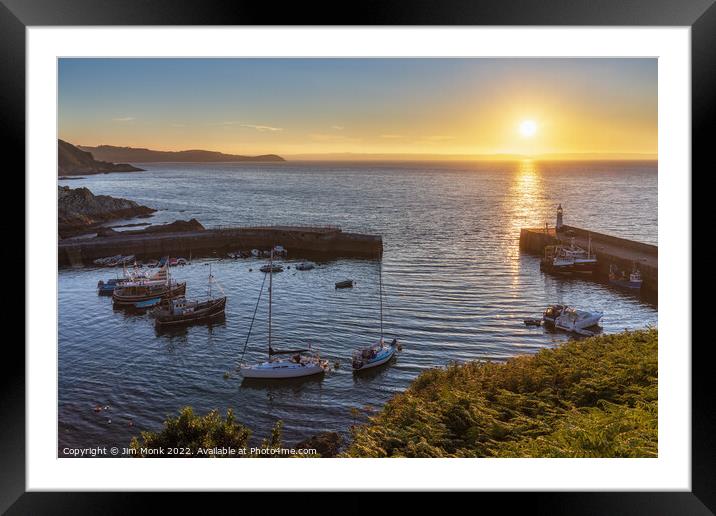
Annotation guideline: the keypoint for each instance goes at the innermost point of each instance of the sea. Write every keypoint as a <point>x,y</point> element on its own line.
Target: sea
<point>456,287</point>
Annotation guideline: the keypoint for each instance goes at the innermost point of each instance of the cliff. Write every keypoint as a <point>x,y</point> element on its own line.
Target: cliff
<point>72,161</point>
<point>139,155</point>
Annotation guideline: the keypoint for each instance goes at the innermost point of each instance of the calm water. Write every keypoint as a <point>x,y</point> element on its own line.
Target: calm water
<point>456,283</point>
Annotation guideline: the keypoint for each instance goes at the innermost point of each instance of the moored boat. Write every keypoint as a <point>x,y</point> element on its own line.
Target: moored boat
<point>344,284</point>
<point>572,259</point>
<point>149,303</point>
<point>131,295</point>
<point>105,288</point>
<point>380,352</point>
<point>571,319</point>
<point>305,266</point>
<point>302,362</point>
<point>180,311</point>
<point>633,281</point>
<point>271,267</point>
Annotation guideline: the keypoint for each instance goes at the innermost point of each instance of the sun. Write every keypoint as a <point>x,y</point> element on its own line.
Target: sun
<point>528,128</point>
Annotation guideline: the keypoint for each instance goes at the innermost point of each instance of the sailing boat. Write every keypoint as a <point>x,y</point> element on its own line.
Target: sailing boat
<point>303,362</point>
<point>380,352</point>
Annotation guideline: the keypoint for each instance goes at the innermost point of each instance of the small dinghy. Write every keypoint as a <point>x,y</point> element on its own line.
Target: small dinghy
<point>617,279</point>
<point>344,284</point>
<point>271,267</point>
<point>149,303</point>
<point>302,362</point>
<point>305,266</point>
<point>533,322</point>
<point>571,319</point>
<point>105,288</point>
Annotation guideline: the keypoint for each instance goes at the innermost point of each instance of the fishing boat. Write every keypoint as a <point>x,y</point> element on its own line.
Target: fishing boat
<point>302,362</point>
<point>305,266</point>
<point>618,279</point>
<point>378,353</point>
<point>181,311</point>
<point>160,286</point>
<point>571,259</point>
<point>571,319</point>
<point>344,284</point>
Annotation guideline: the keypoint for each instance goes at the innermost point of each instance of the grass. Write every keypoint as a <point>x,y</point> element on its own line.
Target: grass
<point>595,397</point>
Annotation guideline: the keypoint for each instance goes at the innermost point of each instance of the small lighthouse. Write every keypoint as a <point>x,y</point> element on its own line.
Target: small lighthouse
<point>558,226</point>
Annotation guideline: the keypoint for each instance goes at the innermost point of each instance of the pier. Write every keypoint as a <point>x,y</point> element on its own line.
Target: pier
<point>608,249</point>
<point>328,241</point>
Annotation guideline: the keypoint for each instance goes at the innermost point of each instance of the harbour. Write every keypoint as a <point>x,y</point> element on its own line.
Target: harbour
<point>457,288</point>
<point>611,252</point>
<point>328,241</point>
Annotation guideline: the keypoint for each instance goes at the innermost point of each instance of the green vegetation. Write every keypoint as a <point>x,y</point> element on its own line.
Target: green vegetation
<point>188,431</point>
<point>595,397</point>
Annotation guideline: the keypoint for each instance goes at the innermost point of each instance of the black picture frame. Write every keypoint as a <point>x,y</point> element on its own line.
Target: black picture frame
<point>700,15</point>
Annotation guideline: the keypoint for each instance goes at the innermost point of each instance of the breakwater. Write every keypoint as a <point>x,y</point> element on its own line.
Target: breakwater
<point>608,249</point>
<point>300,241</point>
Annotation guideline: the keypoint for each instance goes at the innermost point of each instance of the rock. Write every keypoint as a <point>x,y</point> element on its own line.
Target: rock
<point>327,444</point>
<point>78,209</point>
<point>72,161</point>
<point>178,226</point>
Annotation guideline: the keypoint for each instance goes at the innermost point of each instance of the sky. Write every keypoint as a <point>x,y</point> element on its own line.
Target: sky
<point>387,106</point>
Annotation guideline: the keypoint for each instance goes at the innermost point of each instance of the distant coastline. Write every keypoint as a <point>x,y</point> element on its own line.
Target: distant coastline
<point>350,156</point>
<point>72,161</point>
<point>141,155</point>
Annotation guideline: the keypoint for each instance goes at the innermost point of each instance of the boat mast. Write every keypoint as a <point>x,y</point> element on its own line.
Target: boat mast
<point>380,280</point>
<point>209,280</point>
<point>270,273</point>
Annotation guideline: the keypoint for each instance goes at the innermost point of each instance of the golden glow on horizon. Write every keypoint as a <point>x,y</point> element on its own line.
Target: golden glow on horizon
<point>591,109</point>
<point>528,128</point>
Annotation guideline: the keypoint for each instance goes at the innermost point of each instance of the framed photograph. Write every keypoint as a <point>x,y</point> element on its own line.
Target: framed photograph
<point>414,250</point>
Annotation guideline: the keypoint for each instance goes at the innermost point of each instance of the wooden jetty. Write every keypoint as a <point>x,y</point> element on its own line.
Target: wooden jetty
<point>299,240</point>
<point>608,249</point>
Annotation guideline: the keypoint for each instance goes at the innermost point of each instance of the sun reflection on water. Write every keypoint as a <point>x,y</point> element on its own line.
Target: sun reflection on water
<point>526,193</point>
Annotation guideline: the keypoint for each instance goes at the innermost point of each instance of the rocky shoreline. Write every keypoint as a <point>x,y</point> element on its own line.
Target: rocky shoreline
<point>79,210</point>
